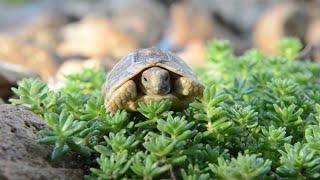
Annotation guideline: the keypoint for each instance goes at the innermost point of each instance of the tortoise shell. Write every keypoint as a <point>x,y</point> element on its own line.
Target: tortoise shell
<point>134,63</point>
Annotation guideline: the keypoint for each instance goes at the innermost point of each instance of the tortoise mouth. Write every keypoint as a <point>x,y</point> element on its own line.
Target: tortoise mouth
<point>162,90</point>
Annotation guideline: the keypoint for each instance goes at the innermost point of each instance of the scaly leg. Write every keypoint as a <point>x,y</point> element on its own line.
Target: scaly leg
<point>186,87</point>
<point>123,98</point>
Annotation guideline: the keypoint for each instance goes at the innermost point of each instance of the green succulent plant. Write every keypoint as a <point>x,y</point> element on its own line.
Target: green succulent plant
<point>259,118</point>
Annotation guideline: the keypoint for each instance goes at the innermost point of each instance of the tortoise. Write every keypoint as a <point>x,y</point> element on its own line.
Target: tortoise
<point>150,75</point>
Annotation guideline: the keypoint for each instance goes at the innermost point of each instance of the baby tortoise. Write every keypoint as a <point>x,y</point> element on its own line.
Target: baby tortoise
<point>150,75</point>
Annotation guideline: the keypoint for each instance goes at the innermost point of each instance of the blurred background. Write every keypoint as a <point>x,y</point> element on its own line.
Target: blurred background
<point>53,38</point>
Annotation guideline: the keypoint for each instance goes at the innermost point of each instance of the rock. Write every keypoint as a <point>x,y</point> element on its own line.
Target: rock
<point>145,20</point>
<point>187,22</point>
<point>71,67</point>
<point>10,74</point>
<point>76,66</point>
<point>313,38</point>
<point>46,13</point>
<point>44,62</point>
<point>313,33</point>
<point>95,37</point>
<point>192,21</point>
<point>45,37</point>
<point>240,16</point>
<point>313,7</point>
<point>78,9</point>
<point>40,60</point>
<point>194,54</point>
<point>34,22</point>
<point>168,3</point>
<point>316,52</point>
<point>21,157</point>
<point>1,101</point>
<point>239,43</point>
<point>287,19</point>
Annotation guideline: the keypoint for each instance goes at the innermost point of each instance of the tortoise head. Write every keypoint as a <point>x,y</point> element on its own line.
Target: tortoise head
<point>155,81</point>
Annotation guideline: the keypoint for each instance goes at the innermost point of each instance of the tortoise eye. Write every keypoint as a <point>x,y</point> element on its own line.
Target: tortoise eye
<point>145,79</point>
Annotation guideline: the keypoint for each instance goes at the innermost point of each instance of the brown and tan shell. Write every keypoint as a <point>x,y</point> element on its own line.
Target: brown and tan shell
<point>134,63</point>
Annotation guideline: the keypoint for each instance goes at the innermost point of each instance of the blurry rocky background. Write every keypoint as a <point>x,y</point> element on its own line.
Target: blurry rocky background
<point>53,38</point>
<point>50,39</point>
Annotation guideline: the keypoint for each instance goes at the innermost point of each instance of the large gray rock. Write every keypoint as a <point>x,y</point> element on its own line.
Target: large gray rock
<point>21,157</point>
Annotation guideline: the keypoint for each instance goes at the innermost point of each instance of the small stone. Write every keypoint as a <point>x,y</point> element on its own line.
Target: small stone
<point>10,74</point>
<point>95,37</point>
<point>287,19</point>
<point>313,37</point>
<point>145,20</point>
<point>194,54</point>
<point>187,22</point>
<point>240,16</point>
<point>313,33</point>
<point>74,66</point>
<point>78,9</point>
<point>316,54</point>
<point>36,22</point>
<point>28,55</point>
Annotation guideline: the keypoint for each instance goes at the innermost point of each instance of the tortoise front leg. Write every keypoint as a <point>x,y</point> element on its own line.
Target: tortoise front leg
<point>186,87</point>
<point>123,98</point>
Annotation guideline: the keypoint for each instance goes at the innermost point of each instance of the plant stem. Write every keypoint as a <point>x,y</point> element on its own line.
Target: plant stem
<point>173,177</point>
